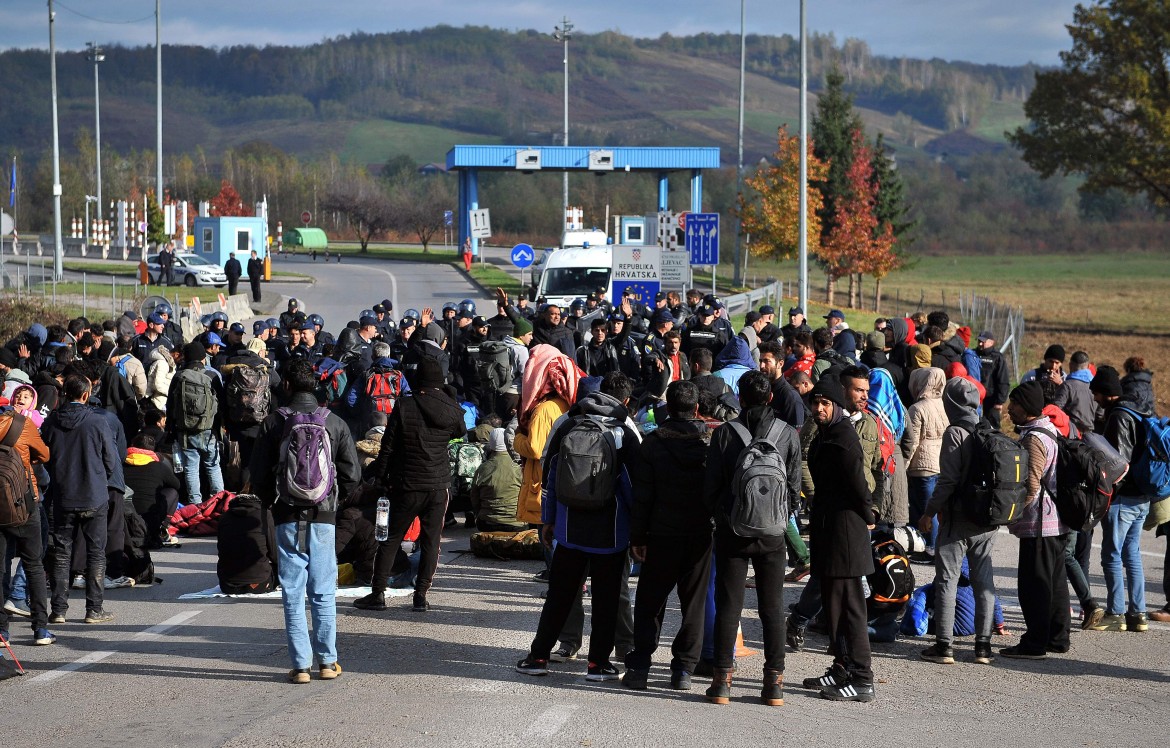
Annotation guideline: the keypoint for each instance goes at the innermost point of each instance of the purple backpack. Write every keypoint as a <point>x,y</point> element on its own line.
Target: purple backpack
<point>306,476</point>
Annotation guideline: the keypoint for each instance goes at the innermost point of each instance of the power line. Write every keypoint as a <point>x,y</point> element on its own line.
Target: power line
<point>102,20</point>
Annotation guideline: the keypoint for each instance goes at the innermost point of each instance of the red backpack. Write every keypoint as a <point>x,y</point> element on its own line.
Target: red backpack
<point>886,444</point>
<point>384,387</point>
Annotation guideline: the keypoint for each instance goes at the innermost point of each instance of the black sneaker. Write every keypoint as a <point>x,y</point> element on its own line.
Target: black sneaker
<point>602,672</point>
<point>983,654</point>
<point>939,653</point>
<point>1019,653</point>
<point>1136,622</point>
<point>704,669</point>
<point>850,691</point>
<point>680,680</point>
<point>834,676</point>
<point>372,601</point>
<point>532,666</point>
<point>98,616</point>
<point>420,604</point>
<point>564,654</point>
<point>794,635</point>
<point>635,679</point>
<point>541,576</point>
<point>57,618</point>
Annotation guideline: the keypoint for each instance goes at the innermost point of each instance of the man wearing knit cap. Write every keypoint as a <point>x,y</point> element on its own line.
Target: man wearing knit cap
<point>1050,372</point>
<point>1121,528</point>
<point>495,488</point>
<point>1043,584</point>
<point>508,399</point>
<point>840,520</point>
<point>413,470</point>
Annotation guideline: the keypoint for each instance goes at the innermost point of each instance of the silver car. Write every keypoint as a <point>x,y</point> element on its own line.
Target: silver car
<point>190,270</point>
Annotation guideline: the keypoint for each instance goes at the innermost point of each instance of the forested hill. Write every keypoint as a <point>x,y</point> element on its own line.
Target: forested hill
<point>493,86</point>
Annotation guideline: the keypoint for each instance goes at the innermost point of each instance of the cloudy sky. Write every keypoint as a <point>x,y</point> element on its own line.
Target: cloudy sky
<point>986,31</point>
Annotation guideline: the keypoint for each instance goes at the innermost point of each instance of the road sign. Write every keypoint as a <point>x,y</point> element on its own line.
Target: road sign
<point>637,268</point>
<point>448,218</point>
<point>673,266</point>
<point>481,224</point>
<point>522,256</point>
<point>702,237</point>
<point>306,216</point>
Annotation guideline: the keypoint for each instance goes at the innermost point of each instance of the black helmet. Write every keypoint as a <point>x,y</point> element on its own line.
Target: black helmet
<point>451,305</point>
<point>412,314</point>
<point>467,305</point>
<point>220,316</point>
<point>577,304</point>
<point>293,304</point>
<point>164,308</point>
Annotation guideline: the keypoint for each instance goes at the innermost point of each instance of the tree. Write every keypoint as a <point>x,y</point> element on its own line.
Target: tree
<point>365,205</point>
<point>228,202</point>
<point>770,212</point>
<point>156,231</point>
<point>1106,113</point>
<point>893,214</point>
<point>418,204</point>
<point>832,130</point>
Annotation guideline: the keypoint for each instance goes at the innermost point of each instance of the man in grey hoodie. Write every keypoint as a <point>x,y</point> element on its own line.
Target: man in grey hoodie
<point>958,535</point>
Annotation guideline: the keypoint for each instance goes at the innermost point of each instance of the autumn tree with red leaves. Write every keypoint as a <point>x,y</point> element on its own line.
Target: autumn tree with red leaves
<point>769,210</point>
<point>228,202</point>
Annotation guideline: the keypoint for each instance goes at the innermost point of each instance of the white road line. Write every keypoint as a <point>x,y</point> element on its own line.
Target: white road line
<point>152,633</point>
<point>550,721</point>
<point>393,283</point>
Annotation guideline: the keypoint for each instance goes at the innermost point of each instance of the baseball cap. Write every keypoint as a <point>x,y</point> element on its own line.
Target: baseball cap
<point>293,303</point>
<point>617,317</point>
<point>705,311</point>
<point>259,326</point>
<point>308,326</point>
<point>875,341</point>
<point>407,322</point>
<point>367,320</point>
<point>379,309</point>
<point>212,339</point>
<point>796,310</point>
<point>479,322</point>
<point>835,313</point>
<point>661,295</point>
<point>237,327</point>
<point>660,316</point>
<point>156,319</point>
<point>767,310</point>
<point>987,335</point>
<point>751,318</point>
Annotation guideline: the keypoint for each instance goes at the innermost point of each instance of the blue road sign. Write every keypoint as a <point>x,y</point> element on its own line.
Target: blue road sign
<point>702,237</point>
<point>448,217</point>
<point>522,256</point>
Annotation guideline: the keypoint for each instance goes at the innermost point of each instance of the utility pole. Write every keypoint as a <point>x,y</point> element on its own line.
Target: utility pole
<point>737,277</point>
<point>58,249</point>
<point>803,298</point>
<point>97,55</point>
<point>563,33</point>
<point>158,183</point>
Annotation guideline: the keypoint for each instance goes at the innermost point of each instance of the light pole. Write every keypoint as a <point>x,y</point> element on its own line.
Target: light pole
<point>803,225</point>
<point>737,276</point>
<point>158,182</point>
<point>97,55</point>
<point>563,33</point>
<point>57,248</point>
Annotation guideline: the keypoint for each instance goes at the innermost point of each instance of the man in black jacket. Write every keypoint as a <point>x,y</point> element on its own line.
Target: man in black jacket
<point>233,271</point>
<point>733,551</point>
<point>993,374</point>
<point>412,465</point>
<point>255,275</point>
<point>307,560</point>
<point>670,534</point>
<point>839,522</point>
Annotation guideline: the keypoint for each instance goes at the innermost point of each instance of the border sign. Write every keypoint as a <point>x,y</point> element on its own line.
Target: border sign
<point>673,268</point>
<point>702,234</point>
<point>481,224</point>
<point>637,268</point>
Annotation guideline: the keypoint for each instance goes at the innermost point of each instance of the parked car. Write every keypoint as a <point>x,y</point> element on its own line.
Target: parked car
<point>190,270</point>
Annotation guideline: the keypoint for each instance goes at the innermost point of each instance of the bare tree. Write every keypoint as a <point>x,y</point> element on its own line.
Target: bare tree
<point>366,207</point>
<point>418,205</point>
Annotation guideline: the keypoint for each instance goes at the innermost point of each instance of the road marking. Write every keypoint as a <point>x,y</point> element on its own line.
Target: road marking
<point>150,634</point>
<point>550,721</point>
<point>393,284</point>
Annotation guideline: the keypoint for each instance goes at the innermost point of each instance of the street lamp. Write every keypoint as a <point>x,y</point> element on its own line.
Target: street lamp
<point>563,33</point>
<point>97,55</point>
<point>58,250</point>
<point>737,276</point>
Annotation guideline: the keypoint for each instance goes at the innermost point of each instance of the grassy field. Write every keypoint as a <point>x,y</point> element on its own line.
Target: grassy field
<point>999,117</point>
<point>374,141</point>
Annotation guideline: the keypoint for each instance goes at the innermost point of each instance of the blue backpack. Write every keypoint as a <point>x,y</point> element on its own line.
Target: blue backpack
<point>973,363</point>
<point>1150,463</point>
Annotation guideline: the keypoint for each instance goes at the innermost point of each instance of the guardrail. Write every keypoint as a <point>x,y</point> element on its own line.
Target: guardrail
<point>742,302</point>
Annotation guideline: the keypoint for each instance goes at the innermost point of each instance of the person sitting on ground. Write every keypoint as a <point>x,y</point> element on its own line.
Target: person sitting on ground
<point>496,488</point>
<point>156,489</point>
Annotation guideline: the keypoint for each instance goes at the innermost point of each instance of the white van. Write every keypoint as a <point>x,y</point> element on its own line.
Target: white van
<point>574,273</point>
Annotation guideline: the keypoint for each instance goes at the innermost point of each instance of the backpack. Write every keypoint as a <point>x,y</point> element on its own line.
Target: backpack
<point>305,473</point>
<point>1085,476</point>
<point>587,465</point>
<point>1151,461</point>
<point>996,487</point>
<point>886,446</point>
<point>332,382</point>
<point>16,494</point>
<point>384,387</point>
<point>508,545</point>
<point>973,364</point>
<point>249,398</point>
<point>892,581</point>
<point>759,485</point>
<point>465,459</point>
<point>121,364</point>
<point>197,402</point>
<point>139,565</point>
<point>494,365</point>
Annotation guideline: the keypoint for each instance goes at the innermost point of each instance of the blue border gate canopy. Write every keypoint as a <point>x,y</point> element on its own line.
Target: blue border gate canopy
<point>581,158</point>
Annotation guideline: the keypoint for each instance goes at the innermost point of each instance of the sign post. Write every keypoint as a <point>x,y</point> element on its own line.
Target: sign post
<point>637,268</point>
<point>306,217</point>
<point>522,257</point>
<point>702,238</point>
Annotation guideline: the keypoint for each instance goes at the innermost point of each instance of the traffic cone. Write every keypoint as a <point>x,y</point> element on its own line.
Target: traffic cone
<point>740,649</point>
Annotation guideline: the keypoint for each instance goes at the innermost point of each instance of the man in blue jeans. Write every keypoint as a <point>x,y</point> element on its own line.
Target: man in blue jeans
<point>306,556</point>
<point>193,415</point>
<point>1121,529</point>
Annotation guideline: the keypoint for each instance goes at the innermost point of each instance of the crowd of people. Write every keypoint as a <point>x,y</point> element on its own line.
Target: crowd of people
<point>621,432</point>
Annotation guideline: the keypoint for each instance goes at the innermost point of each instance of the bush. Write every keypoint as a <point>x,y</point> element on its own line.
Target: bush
<point>16,316</point>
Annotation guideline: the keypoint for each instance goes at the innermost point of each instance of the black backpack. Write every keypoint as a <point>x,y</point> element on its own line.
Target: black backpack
<point>587,465</point>
<point>997,487</point>
<point>1085,478</point>
<point>892,581</point>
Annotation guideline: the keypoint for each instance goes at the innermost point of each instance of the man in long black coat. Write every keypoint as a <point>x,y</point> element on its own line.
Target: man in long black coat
<point>233,271</point>
<point>840,521</point>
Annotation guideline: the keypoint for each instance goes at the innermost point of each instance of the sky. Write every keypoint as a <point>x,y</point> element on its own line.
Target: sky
<point>1007,32</point>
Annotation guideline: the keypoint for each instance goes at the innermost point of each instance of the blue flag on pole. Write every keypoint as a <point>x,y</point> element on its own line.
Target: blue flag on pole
<point>12,187</point>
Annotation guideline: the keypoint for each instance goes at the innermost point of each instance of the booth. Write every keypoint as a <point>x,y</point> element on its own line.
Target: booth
<point>309,238</point>
<point>216,237</point>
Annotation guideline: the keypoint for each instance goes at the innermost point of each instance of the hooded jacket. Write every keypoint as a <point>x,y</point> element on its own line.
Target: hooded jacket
<point>29,445</point>
<point>135,372</point>
<point>606,530</point>
<point>668,483</point>
<point>733,362</point>
<point>1138,388</point>
<point>960,401</point>
<point>926,421</point>
<point>1125,433</point>
<point>1075,399</point>
<point>147,475</point>
<point>11,387</point>
<point>84,464</point>
<point>161,370</point>
<point>413,456</point>
<point>495,490</point>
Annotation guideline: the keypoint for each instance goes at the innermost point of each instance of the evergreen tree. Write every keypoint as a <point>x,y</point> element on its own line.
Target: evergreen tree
<point>832,131</point>
<point>156,232</point>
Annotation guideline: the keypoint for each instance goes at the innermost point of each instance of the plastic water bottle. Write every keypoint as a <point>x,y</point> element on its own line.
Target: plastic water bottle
<point>177,458</point>
<point>382,520</point>
<point>865,589</point>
